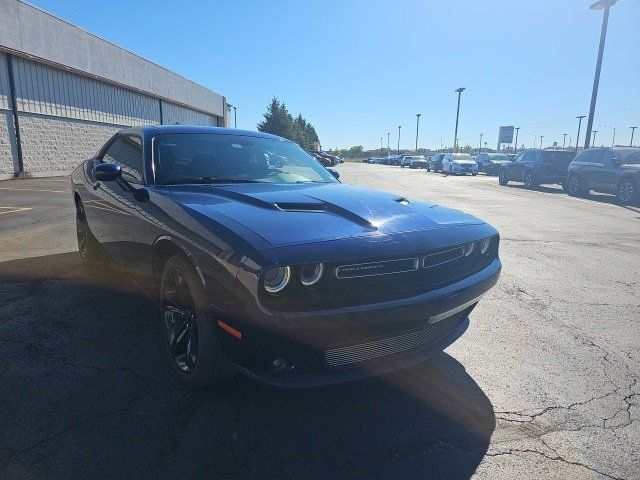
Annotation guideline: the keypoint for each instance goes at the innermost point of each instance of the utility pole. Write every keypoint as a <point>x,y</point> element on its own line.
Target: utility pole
<point>455,136</point>
<point>599,5</point>
<point>579,117</point>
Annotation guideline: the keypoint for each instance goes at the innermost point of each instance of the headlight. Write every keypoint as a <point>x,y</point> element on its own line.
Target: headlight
<point>468,249</point>
<point>484,245</point>
<point>276,279</point>
<point>311,273</point>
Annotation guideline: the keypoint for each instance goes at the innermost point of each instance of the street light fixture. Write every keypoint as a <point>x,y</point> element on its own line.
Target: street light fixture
<point>633,129</point>
<point>599,5</point>
<point>579,117</point>
<point>399,127</point>
<point>455,136</point>
<point>417,127</point>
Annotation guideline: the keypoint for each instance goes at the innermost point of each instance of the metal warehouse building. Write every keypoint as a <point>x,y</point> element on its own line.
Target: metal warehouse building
<point>65,91</point>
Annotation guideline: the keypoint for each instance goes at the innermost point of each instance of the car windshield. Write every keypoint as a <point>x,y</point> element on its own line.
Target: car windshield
<point>629,156</point>
<point>498,158</point>
<point>462,156</point>
<point>216,158</point>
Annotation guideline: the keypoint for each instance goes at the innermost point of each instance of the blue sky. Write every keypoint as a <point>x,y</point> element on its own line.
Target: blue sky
<point>358,69</point>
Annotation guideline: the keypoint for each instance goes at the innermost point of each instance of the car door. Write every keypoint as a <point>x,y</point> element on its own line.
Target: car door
<point>609,171</point>
<point>515,170</point>
<point>123,226</point>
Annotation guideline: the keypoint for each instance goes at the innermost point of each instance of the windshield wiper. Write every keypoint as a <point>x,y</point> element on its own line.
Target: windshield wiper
<point>209,180</point>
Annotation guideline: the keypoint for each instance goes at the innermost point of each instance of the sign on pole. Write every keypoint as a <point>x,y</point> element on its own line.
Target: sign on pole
<point>505,135</point>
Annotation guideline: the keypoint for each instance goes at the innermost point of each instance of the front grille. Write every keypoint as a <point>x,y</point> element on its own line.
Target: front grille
<point>354,354</point>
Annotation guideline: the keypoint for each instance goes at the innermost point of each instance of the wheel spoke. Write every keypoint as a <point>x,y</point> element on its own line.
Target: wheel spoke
<point>179,320</point>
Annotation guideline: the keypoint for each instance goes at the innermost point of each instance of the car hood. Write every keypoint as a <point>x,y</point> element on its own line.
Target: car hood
<point>463,162</point>
<point>307,213</point>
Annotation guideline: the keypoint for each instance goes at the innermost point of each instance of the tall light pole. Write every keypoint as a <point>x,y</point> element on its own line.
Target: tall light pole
<point>480,144</point>
<point>579,117</point>
<point>541,137</point>
<point>515,150</point>
<point>594,137</point>
<point>388,149</point>
<point>564,139</point>
<point>613,140</point>
<point>599,5</point>
<point>235,120</point>
<point>417,129</point>
<point>381,151</point>
<point>455,136</point>
<point>633,129</point>
<point>399,127</point>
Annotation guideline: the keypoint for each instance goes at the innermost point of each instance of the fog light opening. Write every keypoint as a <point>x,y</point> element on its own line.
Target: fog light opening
<point>280,365</point>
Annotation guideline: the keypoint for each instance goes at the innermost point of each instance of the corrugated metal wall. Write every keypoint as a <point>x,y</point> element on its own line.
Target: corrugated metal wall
<point>4,83</point>
<point>172,113</point>
<point>50,91</point>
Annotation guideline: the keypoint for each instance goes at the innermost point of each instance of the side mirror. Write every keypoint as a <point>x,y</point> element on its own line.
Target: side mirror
<point>334,173</point>
<point>107,172</point>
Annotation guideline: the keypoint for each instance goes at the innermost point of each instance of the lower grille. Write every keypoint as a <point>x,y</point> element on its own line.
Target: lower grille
<point>362,352</point>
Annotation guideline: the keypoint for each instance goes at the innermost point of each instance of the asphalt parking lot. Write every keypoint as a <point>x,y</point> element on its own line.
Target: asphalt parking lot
<point>544,384</point>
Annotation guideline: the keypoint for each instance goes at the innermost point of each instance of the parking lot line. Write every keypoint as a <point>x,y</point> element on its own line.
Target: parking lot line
<point>33,190</point>
<point>4,210</point>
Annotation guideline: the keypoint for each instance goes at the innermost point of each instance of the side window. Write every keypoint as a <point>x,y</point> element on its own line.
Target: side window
<point>608,157</point>
<point>127,151</point>
<point>585,156</point>
<point>537,157</point>
<point>520,157</point>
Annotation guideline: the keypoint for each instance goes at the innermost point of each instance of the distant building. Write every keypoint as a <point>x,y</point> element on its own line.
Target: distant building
<point>65,91</point>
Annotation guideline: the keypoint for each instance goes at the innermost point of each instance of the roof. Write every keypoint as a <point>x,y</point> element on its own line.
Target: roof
<point>168,129</point>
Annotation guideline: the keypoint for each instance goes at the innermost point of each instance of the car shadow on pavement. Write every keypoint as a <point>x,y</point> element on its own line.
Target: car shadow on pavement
<point>86,393</point>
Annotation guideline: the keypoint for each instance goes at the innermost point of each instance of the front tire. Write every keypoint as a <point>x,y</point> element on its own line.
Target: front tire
<point>502,178</point>
<point>574,186</point>
<point>529,182</point>
<point>626,191</point>
<point>87,244</point>
<point>193,345</point>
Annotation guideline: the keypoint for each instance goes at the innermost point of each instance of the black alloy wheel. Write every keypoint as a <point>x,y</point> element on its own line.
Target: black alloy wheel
<point>189,325</point>
<point>528,180</point>
<point>87,244</point>
<point>502,178</point>
<point>626,191</point>
<point>180,320</point>
<point>574,186</point>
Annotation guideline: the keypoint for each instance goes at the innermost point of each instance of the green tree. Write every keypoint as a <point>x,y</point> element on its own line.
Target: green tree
<point>277,120</point>
<point>356,151</point>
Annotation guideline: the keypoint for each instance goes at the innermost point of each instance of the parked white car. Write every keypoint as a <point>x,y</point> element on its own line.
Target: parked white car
<point>459,163</point>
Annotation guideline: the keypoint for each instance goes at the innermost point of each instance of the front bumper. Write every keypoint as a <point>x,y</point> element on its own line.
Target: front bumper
<point>464,168</point>
<point>303,339</point>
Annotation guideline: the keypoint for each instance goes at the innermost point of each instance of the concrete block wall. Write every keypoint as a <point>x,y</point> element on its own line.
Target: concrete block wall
<point>8,152</point>
<point>55,146</point>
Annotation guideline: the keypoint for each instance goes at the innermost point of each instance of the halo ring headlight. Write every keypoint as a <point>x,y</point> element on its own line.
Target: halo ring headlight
<point>468,249</point>
<point>276,279</point>
<point>311,273</point>
<point>484,245</point>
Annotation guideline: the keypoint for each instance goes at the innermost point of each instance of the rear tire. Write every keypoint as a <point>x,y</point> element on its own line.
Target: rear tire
<point>626,191</point>
<point>502,178</point>
<point>190,331</point>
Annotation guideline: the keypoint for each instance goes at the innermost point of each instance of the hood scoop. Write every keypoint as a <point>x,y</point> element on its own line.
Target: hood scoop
<point>301,207</point>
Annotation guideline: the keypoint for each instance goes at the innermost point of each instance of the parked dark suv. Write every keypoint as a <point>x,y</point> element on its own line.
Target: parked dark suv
<point>607,170</point>
<point>536,167</point>
<point>435,162</point>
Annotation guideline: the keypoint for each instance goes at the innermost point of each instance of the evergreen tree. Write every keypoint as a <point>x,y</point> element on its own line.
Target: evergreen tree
<point>278,121</point>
